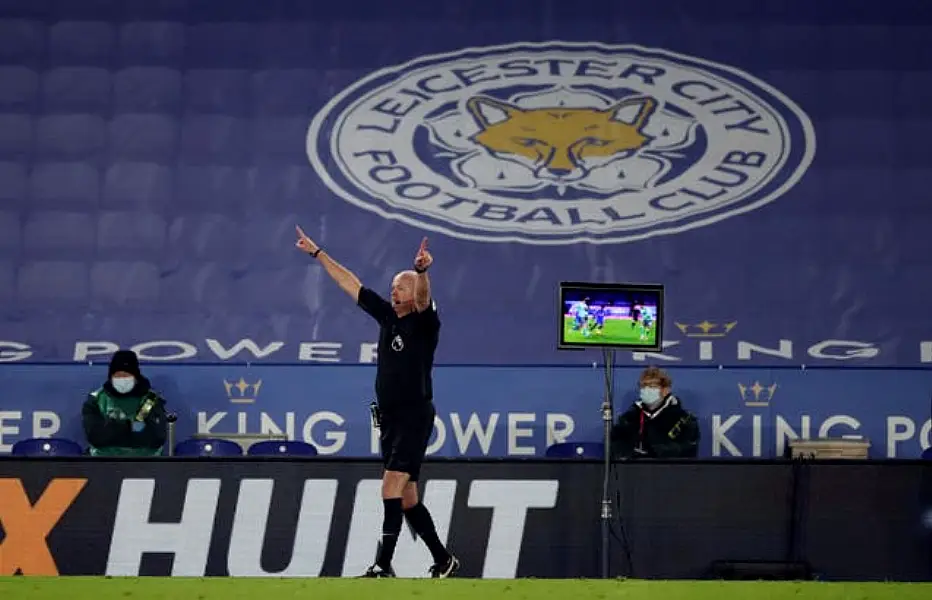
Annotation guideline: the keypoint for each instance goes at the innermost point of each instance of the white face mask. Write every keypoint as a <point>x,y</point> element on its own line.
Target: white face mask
<point>123,385</point>
<point>650,396</point>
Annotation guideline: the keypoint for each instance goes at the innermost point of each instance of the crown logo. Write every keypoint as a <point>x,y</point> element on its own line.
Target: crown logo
<point>757,394</point>
<point>706,329</point>
<point>242,392</point>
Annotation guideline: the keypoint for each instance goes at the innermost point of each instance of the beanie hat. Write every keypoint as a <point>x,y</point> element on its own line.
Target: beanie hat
<point>125,360</point>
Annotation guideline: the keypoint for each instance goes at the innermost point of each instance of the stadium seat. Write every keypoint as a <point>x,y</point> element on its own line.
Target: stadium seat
<point>218,139</point>
<point>64,184</point>
<point>81,43</point>
<point>52,283</point>
<point>208,448</point>
<point>282,448</point>
<point>22,41</point>
<point>147,90</point>
<point>18,88</point>
<point>152,43</point>
<point>577,450</point>
<point>73,90</point>
<point>927,454</point>
<point>70,137</point>
<point>128,186</point>
<point>120,284</point>
<point>15,183</point>
<point>143,137</point>
<point>46,447</point>
<point>16,136</point>
<point>218,91</point>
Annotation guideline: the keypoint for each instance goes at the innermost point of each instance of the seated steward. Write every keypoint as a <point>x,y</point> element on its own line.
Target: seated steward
<point>125,416</point>
<point>657,425</point>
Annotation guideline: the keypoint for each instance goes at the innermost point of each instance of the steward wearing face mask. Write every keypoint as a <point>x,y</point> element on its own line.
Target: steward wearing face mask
<point>125,417</point>
<point>657,425</point>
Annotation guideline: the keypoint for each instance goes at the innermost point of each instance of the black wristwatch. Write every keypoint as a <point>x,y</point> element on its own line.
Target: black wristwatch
<point>416,270</point>
<point>316,252</point>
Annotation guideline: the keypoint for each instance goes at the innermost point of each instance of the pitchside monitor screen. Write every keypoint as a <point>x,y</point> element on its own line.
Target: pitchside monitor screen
<point>611,315</point>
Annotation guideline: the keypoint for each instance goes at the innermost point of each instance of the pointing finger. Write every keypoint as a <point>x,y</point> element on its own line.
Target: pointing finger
<point>300,231</point>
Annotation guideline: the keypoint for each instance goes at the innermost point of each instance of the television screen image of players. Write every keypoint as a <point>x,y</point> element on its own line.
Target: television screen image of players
<point>598,317</point>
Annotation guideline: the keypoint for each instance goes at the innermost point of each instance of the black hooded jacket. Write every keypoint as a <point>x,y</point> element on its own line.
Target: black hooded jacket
<point>108,415</point>
<point>667,431</point>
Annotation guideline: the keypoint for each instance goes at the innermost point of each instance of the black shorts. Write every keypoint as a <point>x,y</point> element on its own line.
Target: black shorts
<point>404,438</point>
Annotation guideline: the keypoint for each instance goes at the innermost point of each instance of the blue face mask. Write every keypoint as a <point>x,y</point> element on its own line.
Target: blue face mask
<point>650,395</point>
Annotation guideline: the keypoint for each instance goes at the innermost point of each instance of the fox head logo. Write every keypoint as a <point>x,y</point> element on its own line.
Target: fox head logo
<point>561,144</point>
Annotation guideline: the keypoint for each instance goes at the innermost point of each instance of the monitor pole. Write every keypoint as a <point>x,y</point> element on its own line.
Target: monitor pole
<point>608,411</point>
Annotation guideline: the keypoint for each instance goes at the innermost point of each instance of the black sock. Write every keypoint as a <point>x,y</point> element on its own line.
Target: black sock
<point>421,521</point>
<point>391,527</point>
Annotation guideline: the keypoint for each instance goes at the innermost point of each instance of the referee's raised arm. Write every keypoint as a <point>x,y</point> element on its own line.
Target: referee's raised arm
<point>345,278</point>
<point>422,262</point>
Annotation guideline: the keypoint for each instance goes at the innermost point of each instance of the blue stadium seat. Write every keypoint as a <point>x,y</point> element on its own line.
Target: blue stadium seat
<point>123,284</point>
<point>15,136</point>
<point>927,454</point>
<point>76,89</point>
<point>147,89</point>
<point>64,183</point>
<point>19,88</point>
<point>21,41</point>
<point>14,189</point>
<point>221,189</point>
<point>46,447</point>
<point>128,184</point>
<point>274,137</point>
<point>220,45</point>
<point>152,43</point>
<point>46,284</point>
<point>282,448</point>
<point>208,448</point>
<point>61,233</point>
<point>577,450</point>
<point>195,285</point>
<point>286,91</point>
<point>217,139</point>
<point>283,187</point>
<point>205,236</point>
<point>71,136</point>
<point>81,43</point>
<point>131,234</point>
<point>7,284</point>
<point>10,232</point>
<point>141,137</point>
<point>221,91</point>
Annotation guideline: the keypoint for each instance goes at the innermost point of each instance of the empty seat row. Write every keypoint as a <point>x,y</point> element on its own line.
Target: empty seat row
<point>74,286</point>
<point>56,447</point>
<point>135,185</point>
<point>61,447</point>
<point>233,92</point>
<point>198,139</point>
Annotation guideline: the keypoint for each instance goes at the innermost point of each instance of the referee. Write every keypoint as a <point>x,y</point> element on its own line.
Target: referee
<point>409,329</point>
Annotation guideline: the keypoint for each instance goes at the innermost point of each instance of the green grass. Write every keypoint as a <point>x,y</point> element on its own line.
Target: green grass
<point>153,588</point>
<point>616,331</point>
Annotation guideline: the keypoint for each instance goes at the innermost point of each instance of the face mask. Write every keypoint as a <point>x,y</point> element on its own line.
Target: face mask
<point>650,395</point>
<point>123,385</point>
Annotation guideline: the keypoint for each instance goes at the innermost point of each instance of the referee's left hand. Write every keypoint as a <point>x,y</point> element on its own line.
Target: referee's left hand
<point>423,259</point>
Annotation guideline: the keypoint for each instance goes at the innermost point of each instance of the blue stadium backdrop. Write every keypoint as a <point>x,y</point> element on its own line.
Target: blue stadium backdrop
<point>769,162</point>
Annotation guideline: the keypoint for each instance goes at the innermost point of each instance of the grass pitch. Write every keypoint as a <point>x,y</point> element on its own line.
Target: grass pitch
<point>615,331</point>
<point>157,588</point>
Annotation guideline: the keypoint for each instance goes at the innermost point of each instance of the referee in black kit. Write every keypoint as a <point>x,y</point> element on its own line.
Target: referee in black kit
<point>409,329</point>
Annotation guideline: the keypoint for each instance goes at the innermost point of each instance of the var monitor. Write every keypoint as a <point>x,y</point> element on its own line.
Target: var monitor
<point>611,315</point>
